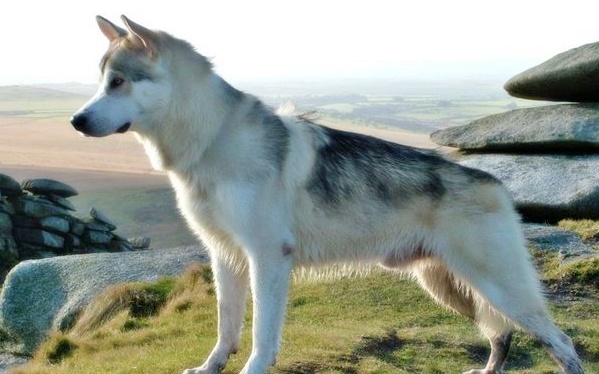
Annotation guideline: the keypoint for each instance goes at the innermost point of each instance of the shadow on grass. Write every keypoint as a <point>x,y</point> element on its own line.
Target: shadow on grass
<point>381,347</point>
<point>386,348</point>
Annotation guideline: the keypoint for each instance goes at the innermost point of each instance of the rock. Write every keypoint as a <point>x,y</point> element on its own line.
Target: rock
<point>97,237</point>
<point>568,76</point>
<point>8,361</point>
<point>93,224</point>
<point>5,224</point>
<point>43,186</point>
<point>140,242</point>
<point>546,188</point>
<point>555,239</point>
<point>8,249</point>
<point>38,208</point>
<point>564,127</point>
<point>6,207</point>
<point>98,215</point>
<point>58,224</point>
<point>120,244</point>
<point>9,186</point>
<point>61,201</point>
<point>40,296</point>
<point>38,237</point>
<point>77,226</point>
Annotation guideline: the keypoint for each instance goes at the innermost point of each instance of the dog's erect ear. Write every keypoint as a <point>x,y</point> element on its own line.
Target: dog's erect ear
<point>142,36</point>
<point>109,29</point>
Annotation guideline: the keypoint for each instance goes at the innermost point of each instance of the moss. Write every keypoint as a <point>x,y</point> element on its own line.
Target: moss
<point>58,348</point>
<point>147,300</point>
<point>586,228</point>
<point>584,271</point>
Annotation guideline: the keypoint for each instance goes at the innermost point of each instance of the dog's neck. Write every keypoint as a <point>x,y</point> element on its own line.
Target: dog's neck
<point>191,123</point>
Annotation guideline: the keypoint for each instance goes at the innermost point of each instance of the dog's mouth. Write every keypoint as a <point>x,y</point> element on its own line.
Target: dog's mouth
<point>124,128</point>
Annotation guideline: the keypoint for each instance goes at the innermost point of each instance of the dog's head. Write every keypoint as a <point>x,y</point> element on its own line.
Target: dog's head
<point>133,86</point>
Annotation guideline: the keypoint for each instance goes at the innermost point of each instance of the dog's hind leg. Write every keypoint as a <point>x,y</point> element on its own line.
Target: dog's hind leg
<point>494,263</point>
<point>435,278</point>
<point>231,290</point>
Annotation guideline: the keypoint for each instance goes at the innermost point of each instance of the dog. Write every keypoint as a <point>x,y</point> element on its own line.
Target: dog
<point>268,192</point>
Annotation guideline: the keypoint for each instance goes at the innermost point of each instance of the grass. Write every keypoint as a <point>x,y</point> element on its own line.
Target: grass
<point>379,323</point>
<point>586,228</point>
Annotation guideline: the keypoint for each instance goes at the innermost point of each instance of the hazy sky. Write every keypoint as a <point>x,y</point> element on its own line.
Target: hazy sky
<point>58,41</point>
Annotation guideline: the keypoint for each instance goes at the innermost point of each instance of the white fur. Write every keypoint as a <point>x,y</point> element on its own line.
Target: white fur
<point>259,223</point>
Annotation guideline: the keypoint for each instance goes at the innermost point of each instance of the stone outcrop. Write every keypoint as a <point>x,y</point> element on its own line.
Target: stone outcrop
<point>547,156</point>
<point>37,221</point>
<point>568,76</point>
<point>546,188</point>
<point>568,245</point>
<point>560,128</point>
<point>46,295</point>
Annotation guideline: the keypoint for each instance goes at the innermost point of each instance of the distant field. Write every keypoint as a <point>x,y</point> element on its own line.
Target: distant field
<point>419,114</point>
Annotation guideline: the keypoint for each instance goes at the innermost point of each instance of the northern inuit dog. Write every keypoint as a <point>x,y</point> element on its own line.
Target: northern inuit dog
<point>267,193</point>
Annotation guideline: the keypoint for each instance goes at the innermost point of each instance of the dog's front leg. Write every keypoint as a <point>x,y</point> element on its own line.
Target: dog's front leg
<point>270,272</point>
<point>231,290</point>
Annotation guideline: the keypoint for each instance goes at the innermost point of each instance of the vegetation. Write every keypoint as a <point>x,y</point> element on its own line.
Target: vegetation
<point>379,323</point>
<point>586,228</point>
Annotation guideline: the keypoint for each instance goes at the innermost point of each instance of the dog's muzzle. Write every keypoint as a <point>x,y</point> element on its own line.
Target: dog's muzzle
<point>124,128</point>
<point>81,123</point>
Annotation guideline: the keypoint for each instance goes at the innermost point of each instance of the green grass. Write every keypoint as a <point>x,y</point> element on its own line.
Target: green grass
<point>379,323</point>
<point>586,228</point>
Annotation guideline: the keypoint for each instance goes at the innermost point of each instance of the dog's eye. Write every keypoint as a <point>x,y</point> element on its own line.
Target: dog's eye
<point>116,82</point>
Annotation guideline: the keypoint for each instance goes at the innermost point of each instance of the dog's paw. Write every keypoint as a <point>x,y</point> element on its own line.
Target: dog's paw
<point>200,370</point>
<point>482,371</point>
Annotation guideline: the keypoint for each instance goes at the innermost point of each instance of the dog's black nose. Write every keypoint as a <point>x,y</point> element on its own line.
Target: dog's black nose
<point>79,122</point>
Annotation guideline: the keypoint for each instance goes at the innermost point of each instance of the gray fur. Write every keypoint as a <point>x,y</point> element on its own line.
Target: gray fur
<point>350,165</point>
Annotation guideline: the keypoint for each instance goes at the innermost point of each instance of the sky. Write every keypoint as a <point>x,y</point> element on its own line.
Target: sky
<point>58,41</point>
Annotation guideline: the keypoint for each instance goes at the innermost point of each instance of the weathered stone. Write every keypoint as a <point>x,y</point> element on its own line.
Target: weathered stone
<point>122,246</point>
<point>9,255</point>
<point>568,76</point>
<point>6,207</point>
<point>38,237</point>
<point>46,295</point>
<point>19,220</point>
<point>62,202</point>
<point>38,208</point>
<point>55,223</point>
<point>44,186</point>
<point>9,186</point>
<point>77,225</point>
<point>71,242</point>
<point>546,188</point>
<point>555,239</point>
<point>564,127</point>
<point>93,224</point>
<point>8,247</point>
<point>140,242</point>
<point>97,237</point>
<point>98,215</point>
<point>5,224</point>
